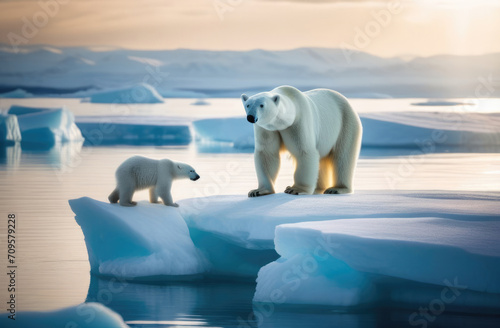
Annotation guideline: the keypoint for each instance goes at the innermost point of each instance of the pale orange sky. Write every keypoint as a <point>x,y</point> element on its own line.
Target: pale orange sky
<point>418,27</point>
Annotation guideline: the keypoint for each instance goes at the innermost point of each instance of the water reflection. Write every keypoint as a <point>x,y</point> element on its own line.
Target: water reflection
<point>57,156</point>
<point>229,304</point>
<point>10,156</point>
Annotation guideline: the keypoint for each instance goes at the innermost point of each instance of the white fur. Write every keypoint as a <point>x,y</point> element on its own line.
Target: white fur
<point>139,172</point>
<point>319,129</point>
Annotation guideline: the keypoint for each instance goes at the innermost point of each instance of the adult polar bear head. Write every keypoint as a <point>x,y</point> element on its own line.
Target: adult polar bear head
<point>269,110</point>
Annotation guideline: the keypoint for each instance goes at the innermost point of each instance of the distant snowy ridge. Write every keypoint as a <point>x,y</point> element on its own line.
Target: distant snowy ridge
<point>194,73</point>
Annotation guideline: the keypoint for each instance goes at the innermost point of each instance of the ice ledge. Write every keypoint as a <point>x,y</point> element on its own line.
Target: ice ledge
<point>149,241</point>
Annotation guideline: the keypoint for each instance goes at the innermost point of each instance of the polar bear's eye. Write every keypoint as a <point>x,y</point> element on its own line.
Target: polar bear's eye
<point>248,106</point>
<point>261,105</point>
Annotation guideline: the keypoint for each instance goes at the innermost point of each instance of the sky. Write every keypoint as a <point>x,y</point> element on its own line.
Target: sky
<point>380,27</point>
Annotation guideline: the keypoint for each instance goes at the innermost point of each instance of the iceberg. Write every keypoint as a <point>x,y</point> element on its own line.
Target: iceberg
<point>332,250</point>
<point>200,102</point>
<point>9,130</point>
<point>146,242</point>
<point>89,315</point>
<point>425,130</point>
<point>355,261</point>
<point>17,93</point>
<point>138,94</point>
<point>46,126</point>
<point>235,131</point>
<point>134,130</point>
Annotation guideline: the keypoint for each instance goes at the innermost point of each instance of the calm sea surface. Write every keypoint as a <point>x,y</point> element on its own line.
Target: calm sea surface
<point>53,270</point>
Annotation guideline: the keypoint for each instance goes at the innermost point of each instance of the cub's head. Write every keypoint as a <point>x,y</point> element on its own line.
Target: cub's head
<point>186,171</point>
<point>262,109</point>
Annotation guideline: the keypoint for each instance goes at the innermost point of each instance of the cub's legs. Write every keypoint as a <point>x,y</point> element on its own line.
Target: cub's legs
<point>114,196</point>
<point>164,192</point>
<point>126,190</point>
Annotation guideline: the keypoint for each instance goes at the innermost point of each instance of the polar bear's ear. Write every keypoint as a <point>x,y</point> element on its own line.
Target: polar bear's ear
<point>276,99</point>
<point>179,167</point>
<point>244,97</point>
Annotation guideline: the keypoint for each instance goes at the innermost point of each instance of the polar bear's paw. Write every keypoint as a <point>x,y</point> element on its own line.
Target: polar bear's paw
<point>259,192</point>
<point>130,204</point>
<point>295,191</point>
<point>338,191</point>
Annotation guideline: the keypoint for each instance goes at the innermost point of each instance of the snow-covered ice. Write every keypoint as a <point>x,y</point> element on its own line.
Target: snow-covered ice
<point>46,126</point>
<point>384,129</point>
<point>345,262</point>
<point>135,130</point>
<point>148,241</point>
<point>233,130</point>
<point>85,315</point>
<point>9,129</point>
<point>350,247</point>
<point>200,102</point>
<point>138,94</point>
<point>17,93</point>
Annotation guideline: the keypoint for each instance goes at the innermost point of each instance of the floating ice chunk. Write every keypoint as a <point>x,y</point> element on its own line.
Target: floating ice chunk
<point>135,130</point>
<point>340,262</point>
<point>17,93</point>
<point>200,102</point>
<point>90,315</point>
<point>9,130</point>
<point>146,242</point>
<point>138,94</point>
<point>244,227</point>
<point>430,130</point>
<point>46,126</point>
<point>234,130</point>
<point>416,129</point>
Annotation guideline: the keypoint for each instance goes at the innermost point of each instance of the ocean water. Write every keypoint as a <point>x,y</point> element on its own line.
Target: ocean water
<point>53,270</point>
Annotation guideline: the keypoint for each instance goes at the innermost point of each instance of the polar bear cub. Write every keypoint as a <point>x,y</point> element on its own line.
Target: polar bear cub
<point>140,172</point>
<point>319,129</point>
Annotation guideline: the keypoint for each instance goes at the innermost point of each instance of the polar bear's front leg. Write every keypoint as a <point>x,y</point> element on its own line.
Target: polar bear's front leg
<point>164,193</point>
<point>306,174</point>
<point>267,161</point>
<point>267,166</point>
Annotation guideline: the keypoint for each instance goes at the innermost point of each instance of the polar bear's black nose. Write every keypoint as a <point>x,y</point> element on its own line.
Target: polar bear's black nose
<point>251,119</point>
<point>196,177</point>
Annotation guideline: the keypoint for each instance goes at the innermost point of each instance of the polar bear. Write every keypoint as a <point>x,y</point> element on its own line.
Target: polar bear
<point>318,128</point>
<point>140,172</point>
